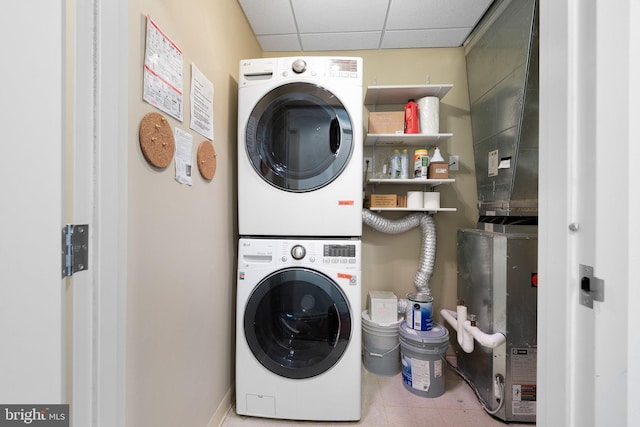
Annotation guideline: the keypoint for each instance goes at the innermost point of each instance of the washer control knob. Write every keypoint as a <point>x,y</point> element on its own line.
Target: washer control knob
<point>299,66</point>
<point>298,252</point>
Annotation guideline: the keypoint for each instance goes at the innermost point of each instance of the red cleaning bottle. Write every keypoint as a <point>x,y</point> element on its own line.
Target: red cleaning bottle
<point>411,117</point>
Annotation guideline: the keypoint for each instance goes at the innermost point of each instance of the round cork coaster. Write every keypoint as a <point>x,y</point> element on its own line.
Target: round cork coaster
<point>206,159</point>
<point>156,140</point>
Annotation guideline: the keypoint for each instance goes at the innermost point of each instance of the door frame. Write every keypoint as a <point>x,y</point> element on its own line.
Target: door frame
<point>100,199</point>
<point>588,125</point>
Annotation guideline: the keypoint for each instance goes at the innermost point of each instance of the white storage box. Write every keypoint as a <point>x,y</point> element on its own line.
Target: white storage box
<point>383,306</point>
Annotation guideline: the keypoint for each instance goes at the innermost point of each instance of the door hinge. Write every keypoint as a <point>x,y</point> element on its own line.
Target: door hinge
<point>75,249</point>
<point>591,287</point>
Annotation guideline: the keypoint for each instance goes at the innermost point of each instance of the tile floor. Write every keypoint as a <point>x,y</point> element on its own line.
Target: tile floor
<point>387,403</point>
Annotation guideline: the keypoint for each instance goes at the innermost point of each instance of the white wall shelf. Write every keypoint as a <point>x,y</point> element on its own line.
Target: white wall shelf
<point>405,139</point>
<point>411,181</point>
<point>400,94</point>
<point>412,210</point>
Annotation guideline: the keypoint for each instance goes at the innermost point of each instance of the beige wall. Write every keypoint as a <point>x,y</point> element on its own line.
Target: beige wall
<point>182,240</point>
<point>390,261</point>
<point>180,314</point>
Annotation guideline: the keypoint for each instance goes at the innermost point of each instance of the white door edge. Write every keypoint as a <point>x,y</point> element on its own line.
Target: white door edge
<point>586,374</point>
<point>32,189</point>
<point>100,181</point>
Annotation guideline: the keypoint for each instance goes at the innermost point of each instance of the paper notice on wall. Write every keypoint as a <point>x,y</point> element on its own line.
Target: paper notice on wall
<point>201,103</point>
<point>505,163</point>
<point>184,156</point>
<point>493,163</point>
<point>162,86</point>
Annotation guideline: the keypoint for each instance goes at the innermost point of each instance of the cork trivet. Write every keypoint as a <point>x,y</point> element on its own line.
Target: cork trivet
<point>206,159</point>
<point>156,140</point>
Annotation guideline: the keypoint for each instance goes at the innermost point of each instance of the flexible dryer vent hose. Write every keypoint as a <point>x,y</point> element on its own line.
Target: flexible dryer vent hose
<point>397,226</point>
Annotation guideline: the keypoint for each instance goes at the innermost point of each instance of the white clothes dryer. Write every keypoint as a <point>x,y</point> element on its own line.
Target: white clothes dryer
<point>298,329</point>
<point>300,147</point>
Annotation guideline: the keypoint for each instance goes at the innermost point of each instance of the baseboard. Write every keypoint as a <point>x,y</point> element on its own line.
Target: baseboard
<point>223,409</point>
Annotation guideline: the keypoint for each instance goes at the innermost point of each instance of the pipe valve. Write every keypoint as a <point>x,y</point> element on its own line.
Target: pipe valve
<point>472,319</point>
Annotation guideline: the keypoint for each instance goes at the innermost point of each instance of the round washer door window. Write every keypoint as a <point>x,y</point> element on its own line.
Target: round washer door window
<point>297,323</point>
<point>299,137</point>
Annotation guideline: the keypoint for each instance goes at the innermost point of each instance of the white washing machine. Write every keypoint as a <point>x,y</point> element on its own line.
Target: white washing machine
<point>298,329</point>
<point>300,147</point>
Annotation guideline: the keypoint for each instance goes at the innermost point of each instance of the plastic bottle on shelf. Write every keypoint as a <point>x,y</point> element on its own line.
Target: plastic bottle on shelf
<point>420,163</point>
<point>404,164</point>
<point>438,168</point>
<point>437,157</point>
<point>411,117</point>
<point>394,165</point>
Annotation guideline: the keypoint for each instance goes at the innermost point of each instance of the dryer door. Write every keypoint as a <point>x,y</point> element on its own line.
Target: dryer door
<point>297,323</point>
<point>299,137</point>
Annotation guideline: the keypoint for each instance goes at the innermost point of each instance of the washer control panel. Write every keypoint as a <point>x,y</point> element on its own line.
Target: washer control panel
<point>329,253</point>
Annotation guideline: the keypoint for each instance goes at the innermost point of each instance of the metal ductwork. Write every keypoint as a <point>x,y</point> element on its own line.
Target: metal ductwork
<point>502,70</point>
<point>428,247</point>
<point>497,262</point>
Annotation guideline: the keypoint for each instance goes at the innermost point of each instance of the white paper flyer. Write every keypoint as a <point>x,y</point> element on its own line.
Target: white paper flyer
<point>184,156</point>
<point>201,103</point>
<point>162,72</point>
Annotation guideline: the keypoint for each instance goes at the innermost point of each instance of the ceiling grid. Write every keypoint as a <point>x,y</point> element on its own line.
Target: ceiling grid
<point>307,25</point>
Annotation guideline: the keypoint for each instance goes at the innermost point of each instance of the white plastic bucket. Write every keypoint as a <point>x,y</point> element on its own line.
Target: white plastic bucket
<point>380,346</point>
<point>422,354</point>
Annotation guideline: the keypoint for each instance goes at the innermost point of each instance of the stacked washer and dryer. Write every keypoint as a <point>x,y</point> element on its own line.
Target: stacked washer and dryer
<point>298,330</point>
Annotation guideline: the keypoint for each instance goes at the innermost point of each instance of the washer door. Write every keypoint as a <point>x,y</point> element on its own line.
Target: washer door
<point>297,323</point>
<point>299,137</point>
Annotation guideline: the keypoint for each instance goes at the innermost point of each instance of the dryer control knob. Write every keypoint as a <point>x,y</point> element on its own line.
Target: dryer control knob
<point>299,66</point>
<point>298,252</point>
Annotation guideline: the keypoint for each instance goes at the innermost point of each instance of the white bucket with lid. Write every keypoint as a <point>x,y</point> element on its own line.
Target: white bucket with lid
<point>380,346</point>
<point>423,359</point>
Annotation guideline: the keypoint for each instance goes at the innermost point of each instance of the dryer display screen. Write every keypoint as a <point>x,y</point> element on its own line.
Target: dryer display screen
<point>344,65</point>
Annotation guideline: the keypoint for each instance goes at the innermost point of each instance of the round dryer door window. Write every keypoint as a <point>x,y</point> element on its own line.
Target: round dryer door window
<point>297,323</point>
<point>299,137</point>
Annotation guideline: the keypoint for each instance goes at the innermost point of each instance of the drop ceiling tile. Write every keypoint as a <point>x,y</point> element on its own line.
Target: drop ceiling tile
<point>328,16</point>
<point>424,38</point>
<point>422,14</point>
<point>269,16</point>
<point>279,42</point>
<point>341,41</point>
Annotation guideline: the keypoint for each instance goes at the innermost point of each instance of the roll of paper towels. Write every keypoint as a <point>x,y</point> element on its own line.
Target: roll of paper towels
<point>415,199</point>
<point>431,200</point>
<point>429,113</point>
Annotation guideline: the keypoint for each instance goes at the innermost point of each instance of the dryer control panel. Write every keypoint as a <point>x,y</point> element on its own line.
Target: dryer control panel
<point>347,69</point>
